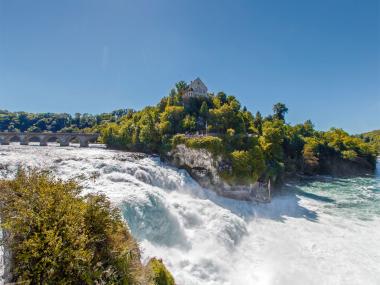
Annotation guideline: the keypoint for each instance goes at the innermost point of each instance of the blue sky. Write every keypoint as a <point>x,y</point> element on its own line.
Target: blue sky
<point>321,58</point>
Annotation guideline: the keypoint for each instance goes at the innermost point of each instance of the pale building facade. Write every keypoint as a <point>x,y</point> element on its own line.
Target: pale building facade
<point>196,88</point>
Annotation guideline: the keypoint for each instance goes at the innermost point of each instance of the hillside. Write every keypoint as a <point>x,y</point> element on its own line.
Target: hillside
<point>253,148</point>
<point>372,138</point>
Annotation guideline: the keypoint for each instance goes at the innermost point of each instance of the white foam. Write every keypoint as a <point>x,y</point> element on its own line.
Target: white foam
<point>206,239</point>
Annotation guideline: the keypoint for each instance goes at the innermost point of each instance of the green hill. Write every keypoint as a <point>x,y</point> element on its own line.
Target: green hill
<point>254,148</point>
<point>372,138</point>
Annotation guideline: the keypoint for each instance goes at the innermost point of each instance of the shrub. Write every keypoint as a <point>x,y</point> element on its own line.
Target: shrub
<point>160,275</point>
<point>349,154</point>
<point>247,166</point>
<point>57,236</point>
<point>212,144</point>
<point>178,139</point>
<point>310,155</point>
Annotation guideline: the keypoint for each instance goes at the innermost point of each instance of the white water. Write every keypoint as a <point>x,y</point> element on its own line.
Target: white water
<point>321,232</point>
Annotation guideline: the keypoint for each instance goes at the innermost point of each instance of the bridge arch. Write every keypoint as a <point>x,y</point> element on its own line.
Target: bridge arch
<point>4,140</point>
<point>26,139</point>
<point>49,138</point>
<point>66,139</point>
<point>14,138</point>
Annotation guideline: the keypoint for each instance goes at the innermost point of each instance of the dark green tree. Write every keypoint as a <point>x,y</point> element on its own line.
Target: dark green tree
<point>280,110</point>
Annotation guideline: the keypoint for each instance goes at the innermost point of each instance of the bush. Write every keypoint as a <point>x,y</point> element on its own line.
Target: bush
<point>349,154</point>
<point>160,275</point>
<point>210,143</point>
<point>310,155</point>
<point>178,139</point>
<point>247,166</point>
<point>57,236</point>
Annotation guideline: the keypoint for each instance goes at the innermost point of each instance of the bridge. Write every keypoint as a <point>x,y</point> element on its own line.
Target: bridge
<point>43,138</point>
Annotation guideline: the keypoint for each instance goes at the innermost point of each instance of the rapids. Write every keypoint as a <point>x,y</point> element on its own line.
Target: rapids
<point>318,231</point>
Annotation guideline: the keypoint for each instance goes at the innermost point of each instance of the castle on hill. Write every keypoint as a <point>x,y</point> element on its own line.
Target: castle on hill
<point>196,88</point>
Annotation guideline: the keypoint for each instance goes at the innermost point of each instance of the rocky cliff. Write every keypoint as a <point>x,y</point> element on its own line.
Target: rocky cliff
<point>205,167</point>
<point>337,166</point>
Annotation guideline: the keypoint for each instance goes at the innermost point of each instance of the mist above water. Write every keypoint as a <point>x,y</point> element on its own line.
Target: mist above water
<point>323,231</point>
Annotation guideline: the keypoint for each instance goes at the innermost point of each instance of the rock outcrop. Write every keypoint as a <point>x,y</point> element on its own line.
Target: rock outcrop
<point>336,166</point>
<point>204,167</point>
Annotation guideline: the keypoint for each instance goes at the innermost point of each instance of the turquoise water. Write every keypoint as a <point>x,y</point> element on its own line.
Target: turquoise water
<point>357,197</point>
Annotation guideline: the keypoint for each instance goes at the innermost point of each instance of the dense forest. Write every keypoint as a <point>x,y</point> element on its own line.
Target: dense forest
<point>58,236</point>
<point>55,122</point>
<point>257,147</point>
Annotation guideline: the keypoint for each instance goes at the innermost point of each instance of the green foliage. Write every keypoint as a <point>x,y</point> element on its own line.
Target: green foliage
<point>279,111</point>
<point>203,111</point>
<point>160,275</point>
<point>310,154</point>
<point>181,87</point>
<point>189,123</point>
<point>58,236</point>
<point>340,141</point>
<point>55,122</point>
<point>212,144</point>
<point>247,166</point>
<point>334,143</point>
<point>349,154</point>
<point>372,138</point>
<point>272,139</point>
<point>233,133</point>
<point>171,120</point>
<point>227,116</point>
<point>179,139</point>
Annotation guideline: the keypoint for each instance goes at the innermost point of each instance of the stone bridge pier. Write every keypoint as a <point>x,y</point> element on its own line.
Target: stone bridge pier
<point>63,138</point>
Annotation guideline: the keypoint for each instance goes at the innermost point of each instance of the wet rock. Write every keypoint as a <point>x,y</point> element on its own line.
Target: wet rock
<point>205,168</point>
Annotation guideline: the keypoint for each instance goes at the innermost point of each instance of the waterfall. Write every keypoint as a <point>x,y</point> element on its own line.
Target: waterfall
<point>320,232</point>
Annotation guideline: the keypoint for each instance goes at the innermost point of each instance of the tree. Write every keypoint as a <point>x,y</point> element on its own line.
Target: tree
<point>189,123</point>
<point>258,123</point>
<point>203,111</point>
<point>171,119</point>
<point>149,135</point>
<point>310,155</point>
<point>181,86</point>
<point>280,110</point>
<point>76,119</point>
<point>248,165</point>
<point>272,139</point>
<point>222,97</point>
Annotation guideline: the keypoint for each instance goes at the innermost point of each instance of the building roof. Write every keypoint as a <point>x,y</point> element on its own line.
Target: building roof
<point>198,82</point>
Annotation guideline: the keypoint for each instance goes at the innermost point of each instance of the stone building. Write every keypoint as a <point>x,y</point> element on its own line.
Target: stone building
<point>196,88</point>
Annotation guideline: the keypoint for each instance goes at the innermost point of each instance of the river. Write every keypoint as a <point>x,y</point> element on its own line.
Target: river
<point>318,231</point>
